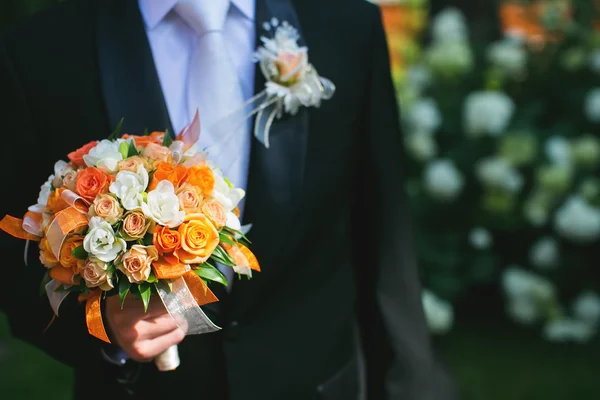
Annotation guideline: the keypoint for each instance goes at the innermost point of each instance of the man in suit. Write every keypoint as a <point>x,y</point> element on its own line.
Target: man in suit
<point>338,297</point>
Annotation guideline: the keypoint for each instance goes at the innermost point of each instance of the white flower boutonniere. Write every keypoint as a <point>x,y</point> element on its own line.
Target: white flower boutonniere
<point>292,81</point>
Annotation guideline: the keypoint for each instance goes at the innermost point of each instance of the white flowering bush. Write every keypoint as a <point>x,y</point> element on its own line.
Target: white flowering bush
<point>503,175</point>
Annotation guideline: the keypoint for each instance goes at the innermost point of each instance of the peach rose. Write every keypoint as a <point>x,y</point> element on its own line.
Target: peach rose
<point>47,257</point>
<point>55,201</point>
<point>215,212</point>
<point>76,156</point>
<point>106,207</point>
<point>156,152</point>
<point>132,164</point>
<point>291,66</point>
<point>69,181</point>
<point>199,238</point>
<point>67,259</point>
<point>136,263</point>
<point>166,240</point>
<point>190,197</point>
<point>91,182</point>
<point>95,273</point>
<point>203,178</point>
<point>135,225</point>
<point>167,172</point>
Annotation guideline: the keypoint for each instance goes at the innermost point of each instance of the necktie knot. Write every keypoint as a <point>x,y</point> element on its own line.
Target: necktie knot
<point>203,16</point>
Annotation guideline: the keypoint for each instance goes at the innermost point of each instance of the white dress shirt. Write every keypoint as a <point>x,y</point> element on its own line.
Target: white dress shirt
<point>172,42</point>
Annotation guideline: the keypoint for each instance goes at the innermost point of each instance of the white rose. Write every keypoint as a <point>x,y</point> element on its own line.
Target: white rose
<point>586,308</point>
<point>42,200</point>
<point>592,105</point>
<point>544,253</point>
<point>480,238</point>
<point>449,25</point>
<point>438,313</point>
<point>163,205</point>
<point>443,180</point>
<point>95,273</point>
<point>487,113</point>
<point>102,242</point>
<point>568,330</point>
<point>509,55</point>
<point>129,186</point>
<point>233,222</point>
<point>558,151</point>
<point>424,116</point>
<point>105,155</point>
<point>578,221</point>
<point>229,197</point>
<point>497,173</point>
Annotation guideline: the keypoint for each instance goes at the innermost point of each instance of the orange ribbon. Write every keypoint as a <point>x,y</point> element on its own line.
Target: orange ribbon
<point>202,294</point>
<point>64,223</point>
<point>165,270</point>
<point>242,256</point>
<point>93,316</point>
<point>14,227</point>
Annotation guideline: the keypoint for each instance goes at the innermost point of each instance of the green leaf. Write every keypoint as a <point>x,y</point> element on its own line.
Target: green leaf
<point>210,273</point>
<point>132,150</point>
<point>221,256</point>
<point>124,286</point>
<point>145,292</point>
<point>44,282</point>
<point>167,140</point>
<point>148,239</point>
<point>117,132</point>
<point>79,253</point>
<point>146,133</point>
<point>124,149</point>
<point>152,278</point>
<point>224,238</point>
<point>236,232</point>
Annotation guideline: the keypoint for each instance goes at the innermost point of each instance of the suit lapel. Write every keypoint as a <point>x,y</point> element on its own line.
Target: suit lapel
<point>275,178</point>
<point>128,75</point>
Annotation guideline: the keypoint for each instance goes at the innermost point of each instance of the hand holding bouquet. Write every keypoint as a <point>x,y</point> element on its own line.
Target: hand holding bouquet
<point>138,215</point>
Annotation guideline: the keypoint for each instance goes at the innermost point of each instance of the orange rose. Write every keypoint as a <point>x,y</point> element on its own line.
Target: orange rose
<point>47,257</point>
<point>215,212</point>
<point>202,177</point>
<point>166,241</point>
<point>143,141</point>
<point>189,197</point>
<point>199,238</point>
<point>136,263</point>
<point>66,252</point>
<point>76,156</point>
<point>156,152</point>
<point>167,172</point>
<point>55,201</point>
<point>91,182</point>
<point>106,207</point>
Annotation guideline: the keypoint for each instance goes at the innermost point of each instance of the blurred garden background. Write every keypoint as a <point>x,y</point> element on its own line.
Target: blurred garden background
<point>500,103</point>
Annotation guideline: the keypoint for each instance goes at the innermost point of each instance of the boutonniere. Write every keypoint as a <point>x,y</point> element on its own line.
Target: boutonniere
<point>291,81</point>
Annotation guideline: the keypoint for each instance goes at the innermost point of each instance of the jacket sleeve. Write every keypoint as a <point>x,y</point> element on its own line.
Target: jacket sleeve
<point>25,169</point>
<point>396,343</point>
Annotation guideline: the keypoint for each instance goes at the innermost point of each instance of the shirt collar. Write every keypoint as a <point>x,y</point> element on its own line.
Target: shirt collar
<point>154,11</point>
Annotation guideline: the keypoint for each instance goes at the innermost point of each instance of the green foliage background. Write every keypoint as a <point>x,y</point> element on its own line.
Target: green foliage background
<point>488,356</point>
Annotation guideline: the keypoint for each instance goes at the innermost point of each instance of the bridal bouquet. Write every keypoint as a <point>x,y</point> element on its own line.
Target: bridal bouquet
<point>138,215</point>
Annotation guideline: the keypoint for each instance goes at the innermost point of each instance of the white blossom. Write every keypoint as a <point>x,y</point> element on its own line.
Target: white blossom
<point>443,180</point>
<point>586,308</point>
<point>449,25</point>
<point>544,253</point>
<point>421,146</point>
<point>592,105</point>
<point>568,330</point>
<point>480,238</point>
<point>497,173</point>
<point>558,151</point>
<point>487,113</point>
<point>578,221</point>
<point>424,116</point>
<point>438,313</point>
<point>509,55</point>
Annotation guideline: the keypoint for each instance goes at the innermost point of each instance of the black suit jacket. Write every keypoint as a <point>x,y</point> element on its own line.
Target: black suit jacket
<point>330,224</point>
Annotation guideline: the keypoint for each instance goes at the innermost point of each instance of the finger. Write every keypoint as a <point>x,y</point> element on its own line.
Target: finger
<point>160,326</point>
<point>158,345</point>
<point>155,309</point>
